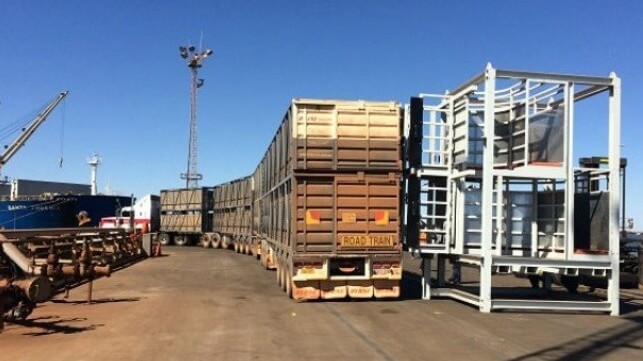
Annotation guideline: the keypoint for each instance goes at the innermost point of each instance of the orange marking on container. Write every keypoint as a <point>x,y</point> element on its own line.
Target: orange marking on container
<point>349,217</point>
<point>313,217</point>
<point>381,218</point>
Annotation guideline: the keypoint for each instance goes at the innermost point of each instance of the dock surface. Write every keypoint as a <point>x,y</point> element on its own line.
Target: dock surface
<point>204,304</point>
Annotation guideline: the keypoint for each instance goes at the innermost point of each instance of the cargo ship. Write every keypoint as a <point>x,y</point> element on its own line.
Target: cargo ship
<point>45,204</point>
<point>59,210</point>
<point>28,203</point>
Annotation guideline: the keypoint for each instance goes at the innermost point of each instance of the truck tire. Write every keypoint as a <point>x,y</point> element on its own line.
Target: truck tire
<point>282,279</point>
<point>248,246</point>
<point>263,259</point>
<point>225,243</point>
<point>242,245</point>
<point>165,239</point>
<point>253,248</point>
<point>278,273</point>
<point>215,239</point>
<point>181,240</point>
<point>569,282</point>
<point>205,241</point>
<point>288,283</point>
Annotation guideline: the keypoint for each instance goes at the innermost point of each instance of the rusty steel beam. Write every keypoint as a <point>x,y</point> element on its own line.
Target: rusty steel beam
<point>23,234</point>
<point>44,262</point>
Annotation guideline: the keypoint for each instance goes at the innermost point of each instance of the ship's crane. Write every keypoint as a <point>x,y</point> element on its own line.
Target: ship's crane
<point>27,132</point>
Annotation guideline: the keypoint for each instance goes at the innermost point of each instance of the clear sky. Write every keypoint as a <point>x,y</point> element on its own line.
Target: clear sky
<point>129,89</point>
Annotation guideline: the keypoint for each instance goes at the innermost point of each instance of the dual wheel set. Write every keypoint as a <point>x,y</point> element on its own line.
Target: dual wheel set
<point>284,279</point>
<point>241,244</point>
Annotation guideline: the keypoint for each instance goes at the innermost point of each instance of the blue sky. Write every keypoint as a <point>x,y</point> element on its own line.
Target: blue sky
<point>129,88</point>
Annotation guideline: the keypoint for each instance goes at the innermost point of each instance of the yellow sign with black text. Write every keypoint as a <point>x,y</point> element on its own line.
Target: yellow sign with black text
<point>366,240</point>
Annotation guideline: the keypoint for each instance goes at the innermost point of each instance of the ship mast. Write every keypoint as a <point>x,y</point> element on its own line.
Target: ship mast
<point>93,162</point>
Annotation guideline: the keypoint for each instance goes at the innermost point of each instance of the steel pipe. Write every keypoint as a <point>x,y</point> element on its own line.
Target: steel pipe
<point>19,259</point>
<point>36,289</point>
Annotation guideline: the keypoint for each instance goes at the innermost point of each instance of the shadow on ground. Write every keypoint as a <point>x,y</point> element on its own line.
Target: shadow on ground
<point>631,299</point>
<point>162,255</point>
<point>594,346</point>
<point>98,301</point>
<point>411,286</point>
<point>44,326</point>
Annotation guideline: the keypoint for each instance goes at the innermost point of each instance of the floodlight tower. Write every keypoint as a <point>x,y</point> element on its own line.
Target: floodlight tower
<point>194,60</point>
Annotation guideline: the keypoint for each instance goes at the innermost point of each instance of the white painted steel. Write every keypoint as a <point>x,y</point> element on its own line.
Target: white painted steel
<point>487,190</point>
<point>568,161</point>
<point>614,199</point>
<point>513,234</point>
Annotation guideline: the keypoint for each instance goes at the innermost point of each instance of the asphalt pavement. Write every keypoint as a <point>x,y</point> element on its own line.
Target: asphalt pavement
<point>204,304</point>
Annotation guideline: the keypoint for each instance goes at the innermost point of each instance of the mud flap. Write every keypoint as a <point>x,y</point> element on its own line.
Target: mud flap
<point>360,289</point>
<point>386,288</point>
<point>333,289</point>
<point>254,248</point>
<point>270,260</point>
<point>305,290</point>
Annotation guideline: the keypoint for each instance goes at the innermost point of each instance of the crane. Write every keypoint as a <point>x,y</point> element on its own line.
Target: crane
<point>27,132</point>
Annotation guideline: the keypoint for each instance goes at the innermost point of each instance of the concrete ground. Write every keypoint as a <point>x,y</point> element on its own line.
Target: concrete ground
<point>198,304</point>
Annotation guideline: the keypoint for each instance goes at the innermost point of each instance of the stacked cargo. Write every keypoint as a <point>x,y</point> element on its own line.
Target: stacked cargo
<point>327,200</point>
<point>185,215</point>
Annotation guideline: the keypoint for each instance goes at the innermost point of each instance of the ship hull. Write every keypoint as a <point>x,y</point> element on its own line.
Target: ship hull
<point>59,211</point>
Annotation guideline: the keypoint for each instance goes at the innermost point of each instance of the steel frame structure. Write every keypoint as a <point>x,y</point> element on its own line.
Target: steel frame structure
<point>194,61</point>
<point>36,264</point>
<point>491,184</point>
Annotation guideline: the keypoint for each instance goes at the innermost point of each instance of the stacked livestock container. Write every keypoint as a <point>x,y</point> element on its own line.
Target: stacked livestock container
<point>186,215</point>
<point>326,203</point>
<point>492,185</point>
<point>232,216</point>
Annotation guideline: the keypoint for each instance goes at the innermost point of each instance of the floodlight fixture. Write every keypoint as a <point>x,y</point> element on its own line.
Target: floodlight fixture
<point>194,60</point>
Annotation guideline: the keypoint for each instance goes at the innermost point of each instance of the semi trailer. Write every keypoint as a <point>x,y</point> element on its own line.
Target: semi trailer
<point>186,215</point>
<point>323,206</point>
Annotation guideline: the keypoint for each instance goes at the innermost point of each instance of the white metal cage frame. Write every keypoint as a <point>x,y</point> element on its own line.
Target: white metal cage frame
<point>491,183</point>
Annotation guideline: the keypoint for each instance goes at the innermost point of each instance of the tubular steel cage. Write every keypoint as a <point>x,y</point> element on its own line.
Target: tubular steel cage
<point>491,184</point>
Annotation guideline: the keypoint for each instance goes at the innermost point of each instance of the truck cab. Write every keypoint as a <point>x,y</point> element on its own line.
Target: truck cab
<point>145,213</point>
